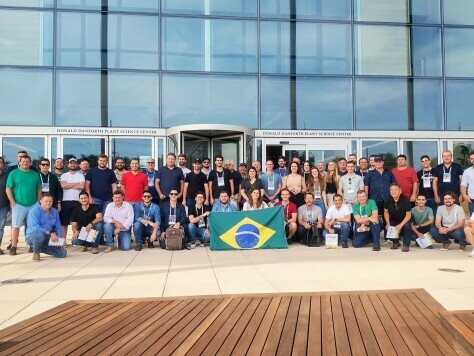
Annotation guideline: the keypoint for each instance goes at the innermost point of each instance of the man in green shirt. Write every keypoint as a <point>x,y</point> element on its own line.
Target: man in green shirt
<point>366,215</point>
<point>422,217</point>
<point>24,191</point>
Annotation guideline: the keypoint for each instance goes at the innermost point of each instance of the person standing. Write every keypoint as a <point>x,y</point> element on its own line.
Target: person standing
<point>24,191</point>
<point>317,186</point>
<point>151,174</point>
<point>20,154</point>
<point>363,167</point>
<point>58,167</point>
<point>229,164</point>
<point>349,185</point>
<point>331,178</point>
<point>196,181</point>
<point>296,184</point>
<point>84,166</point>
<point>282,170</point>
<point>50,183</point>
<point>342,166</point>
<point>206,166</point>
<point>169,177</point>
<point>397,212</point>
<point>88,216</point>
<point>119,171</point>
<point>134,183</point>
<point>182,164</point>
<point>407,179</point>
<point>100,183</point>
<point>425,178</point>
<point>467,184</point>
<point>447,177</point>
<point>271,183</point>
<point>4,202</point>
<point>43,226</point>
<point>220,179</point>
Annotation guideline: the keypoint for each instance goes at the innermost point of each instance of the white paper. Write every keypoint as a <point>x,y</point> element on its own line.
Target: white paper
<point>59,243</point>
<point>331,240</point>
<point>87,236</point>
<point>392,233</point>
<point>425,241</point>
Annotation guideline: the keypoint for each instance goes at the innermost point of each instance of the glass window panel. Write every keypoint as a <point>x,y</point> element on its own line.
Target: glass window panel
<point>112,5</point>
<point>54,148</point>
<point>461,152</point>
<point>211,7</point>
<point>26,38</point>
<point>27,3</point>
<point>78,43</point>
<point>323,49</point>
<point>321,103</point>
<point>425,11</point>
<point>78,98</point>
<point>275,47</point>
<point>381,50</point>
<point>26,97</point>
<point>415,149</point>
<point>209,45</point>
<point>387,149</point>
<point>133,42</point>
<point>381,10</point>
<point>459,52</point>
<point>207,99</point>
<point>133,99</point>
<point>34,146</point>
<point>83,4</point>
<point>426,51</point>
<point>458,12</point>
<point>307,9</point>
<point>428,105</point>
<point>382,104</point>
<point>459,104</point>
<point>128,148</point>
<point>84,147</point>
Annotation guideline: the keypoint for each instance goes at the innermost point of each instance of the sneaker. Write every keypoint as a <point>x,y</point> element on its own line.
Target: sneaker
<point>95,250</point>
<point>109,249</point>
<point>203,244</point>
<point>36,257</point>
<point>446,246</point>
<point>150,245</point>
<point>192,246</point>
<point>9,246</point>
<point>84,249</point>
<point>138,247</point>
<point>395,245</point>
<point>198,243</point>
<point>405,248</point>
<point>13,251</point>
<point>344,245</point>
<point>376,248</point>
<point>471,254</point>
<point>462,248</point>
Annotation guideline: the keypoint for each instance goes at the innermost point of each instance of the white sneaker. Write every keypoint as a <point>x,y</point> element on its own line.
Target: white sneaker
<point>471,254</point>
<point>193,246</point>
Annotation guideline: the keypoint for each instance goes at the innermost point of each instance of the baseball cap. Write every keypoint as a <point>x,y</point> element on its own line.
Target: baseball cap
<point>197,160</point>
<point>378,158</point>
<point>72,159</point>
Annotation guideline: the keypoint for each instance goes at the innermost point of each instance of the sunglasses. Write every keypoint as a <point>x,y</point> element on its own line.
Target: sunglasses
<point>44,164</point>
<point>206,162</point>
<point>150,162</point>
<point>173,193</point>
<point>147,196</point>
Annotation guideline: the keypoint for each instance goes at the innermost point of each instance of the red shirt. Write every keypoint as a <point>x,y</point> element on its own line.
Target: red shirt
<point>134,186</point>
<point>288,210</point>
<point>406,178</point>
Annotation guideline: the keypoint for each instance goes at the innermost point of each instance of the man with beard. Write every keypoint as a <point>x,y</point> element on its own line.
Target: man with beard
<point>50,183</point>
<point>363,167</point>
<point>119,171</point>
<point>425,178</point>
<point>147,221</point>
<point>88,216</point>
<point>58,167</point>
<point>206,167</point>
<point>134,183</point>
<point>100,183</point>
<point>182,164</point>
<point>195,181</point>
<point>222,205</point>
<point>72,183</point>
<point>281,170</point>
<point>220,179</point>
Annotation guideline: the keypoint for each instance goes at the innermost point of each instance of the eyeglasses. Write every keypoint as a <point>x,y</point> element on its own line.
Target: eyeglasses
<point>206,162</point>
<point>147,196</point>
<point>44,164</point>
<point>173,193</point>
<point>150,163</point>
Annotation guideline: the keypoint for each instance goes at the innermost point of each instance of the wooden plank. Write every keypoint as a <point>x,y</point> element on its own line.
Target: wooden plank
<point>314,329</point>
<point>392,332</point>
<point>198,347</point>
<point>288,333</point>
<point>300,345</point>
<point>328,336</point>
<point>467,318</point>
<point>424,324</point>
<point>340,331</point>
<point>188,329</point>
<point>250,331</point>
<point>203,327</point>
<point>417,334</point>
<point>372,331</point>
<point>427,300</point>
<point>459,331</point>
<point>274,335</point>
<point>234,336</point>
<point>353,332</point>
<point>258,342</point>
<point>146,322</point>
<point>226,328</point>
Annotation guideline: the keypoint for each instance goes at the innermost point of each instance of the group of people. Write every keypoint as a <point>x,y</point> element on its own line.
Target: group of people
<point>354,199</point>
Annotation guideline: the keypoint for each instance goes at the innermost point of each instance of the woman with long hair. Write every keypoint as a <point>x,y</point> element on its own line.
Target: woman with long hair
<point>250,183</point>
<point>332,182</point>
<point>255,201</point>
<point>306,170</point>
<point>317,186</point>
<point>295,183</point>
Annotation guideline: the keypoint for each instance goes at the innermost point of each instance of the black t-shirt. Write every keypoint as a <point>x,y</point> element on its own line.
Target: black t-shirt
<point>195,184</point>
<point>454,171</point>
<point>196,212</point>
<point>214,176</point>
<point>250,187</point>
<point>397,211</point>
<point>84,218</point>
<point>422,175</point>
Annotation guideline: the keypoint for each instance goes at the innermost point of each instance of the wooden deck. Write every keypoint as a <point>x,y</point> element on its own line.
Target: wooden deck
<point>402,322</point>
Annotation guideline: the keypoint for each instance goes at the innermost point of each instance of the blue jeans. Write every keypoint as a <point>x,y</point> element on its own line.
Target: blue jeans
<point>343,232</point>
<point>140,231</point>
<point>3,221</point>
<point>322,207</point>
<point>458,235</point>
<point>39,242</point>
<point>196,232</point>
<point>431,203</point>
<point>363,238</point>
<point>470,205</point>
<point>124,237</point>
<point>102,203</point>
<point>406,232</point>
<point>100,232</point>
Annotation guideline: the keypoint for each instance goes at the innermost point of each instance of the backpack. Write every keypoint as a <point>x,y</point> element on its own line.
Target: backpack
<point>174,239</point>
<point>312,237</point>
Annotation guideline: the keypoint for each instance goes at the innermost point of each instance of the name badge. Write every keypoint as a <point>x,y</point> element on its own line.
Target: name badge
<point>336,225</point>
<point>172,219</point>
<point>271,185</point>
<point>45,187</point>
<point>350,189</point>
<point>317,195</point>
<point>119,184</point>
<point>220,181</point>
<point>151,182</point>
<point>447,178</point>
<point>201,223</point>
<point>427,182</point>
<point>364,216</point>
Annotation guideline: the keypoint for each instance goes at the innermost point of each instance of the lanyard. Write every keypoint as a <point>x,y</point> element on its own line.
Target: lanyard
<point>428,173</point>
<point>150,175</point>
<point>227,208</point>
<point>309,213</point>
<point>448,172</point>
<point>144,210</point>
<point>174,210</point>
<point>41,177</point>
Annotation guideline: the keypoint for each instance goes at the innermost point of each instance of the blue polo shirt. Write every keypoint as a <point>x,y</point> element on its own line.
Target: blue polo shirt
<point>170,179</point>
<point>274,178</point>
<point>455,170</point>
<point>379,184</point>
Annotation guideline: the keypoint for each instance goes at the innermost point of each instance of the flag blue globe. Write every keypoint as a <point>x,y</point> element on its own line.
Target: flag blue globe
<point>247,236</point>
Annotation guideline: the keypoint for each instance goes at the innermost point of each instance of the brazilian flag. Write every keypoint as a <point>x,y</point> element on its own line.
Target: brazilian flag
<point>253,229</point>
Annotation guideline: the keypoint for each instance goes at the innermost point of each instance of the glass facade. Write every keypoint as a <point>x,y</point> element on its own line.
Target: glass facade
<point>263,64</point>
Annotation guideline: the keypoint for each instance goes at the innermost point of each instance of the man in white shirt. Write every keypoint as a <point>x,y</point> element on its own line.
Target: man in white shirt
<point>118,219</point>
<point>467,184</point>
<point>338,220</point>
<point>350,184</point>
